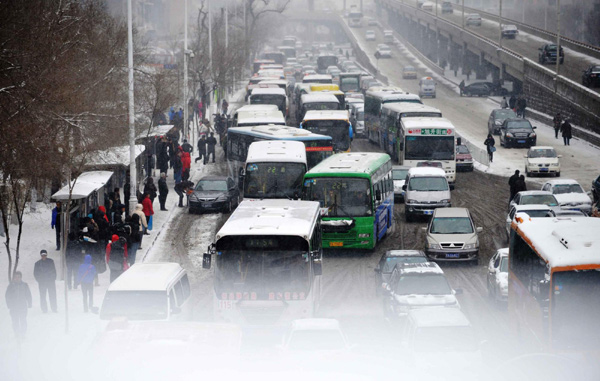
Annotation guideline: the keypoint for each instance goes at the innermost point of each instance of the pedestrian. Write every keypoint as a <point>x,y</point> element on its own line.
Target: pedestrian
<point>116,256</point>
<point>139,210</point>
<point>150,188</point>
<point>18,300</point>
<point>126,193</point>
<point>44,273</point>
<point>56,222</point>
<point>163,191</point>
<point>204,129</point>
<point>557,120</point>
<point>224,107</point>
<point>117,197</point>
<point>135,238</point>
<point>177,168</point>
<point>512,102</point>
<point>461,87</point>
<point>201,148</point>
<point>512,181</point>
<point>504,103</point>
<point>566,131</point>
<point>85,277</point>
<point>211,142</point>
<point>149,162</point>
<point>490,143</point>
<point>172,115</point>
<point>103,225</point>
<point>521,106</point>
<point>186,163</point>
<point>187,147</point>
<point>73,258</point>
<point>520,185</point>
<point>183,188</point>
<point>347,55</point>
<point>148,210</point>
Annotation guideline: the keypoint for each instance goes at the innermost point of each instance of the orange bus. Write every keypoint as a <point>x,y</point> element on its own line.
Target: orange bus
<point>554,284</point>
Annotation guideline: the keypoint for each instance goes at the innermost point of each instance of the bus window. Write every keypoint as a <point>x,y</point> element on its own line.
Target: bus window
<point>343,197</point>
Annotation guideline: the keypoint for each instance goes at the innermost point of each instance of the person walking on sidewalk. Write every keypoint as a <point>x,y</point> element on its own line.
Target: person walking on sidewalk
<point>148,211</point>
<point>557,120</point>
<point>177,167</point>
<point>512,181</point>
<point>56,223</point>
<point>116,256</point>
<point>504,103</point>
<point>85,277</point>
<point>566,130</point>
<point>44,273</point>
<point>201,149</point>
<point>211,142</point>
<point>187,147</point>
<point>139,210</point>
<point>461,87</point>
<point>163,191</point>
<point>18,300</point>
<point>490,143</point>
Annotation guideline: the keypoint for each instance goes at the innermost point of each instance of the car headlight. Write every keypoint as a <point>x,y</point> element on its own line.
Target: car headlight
<point>433,246</point>
<point>471,246</point>
<point>447,201</point>
<point>411,201</point>
<point>509,135</point>
<point>555,164</point>
<point>221,198</point>
<point>532,135</point>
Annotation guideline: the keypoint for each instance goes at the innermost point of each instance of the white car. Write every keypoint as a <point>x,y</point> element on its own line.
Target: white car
<point>370,35</point>
<point>315,336</point>
<point>427,6</point>
<point>569,194</point>
<point>541,160</point>
<point>535,197</point>
<point>399,177</point>
<point>383,51</point>
<point>532,210</point>
<point>497,277</point>
<point>473,19</point>
<point>452,236</point>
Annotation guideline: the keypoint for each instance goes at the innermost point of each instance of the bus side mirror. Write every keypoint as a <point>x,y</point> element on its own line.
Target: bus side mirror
<point>458,141</point>
<point>206,260</point>
<point>451,187</point>
<point>378,195</point>
<point>317,264</point>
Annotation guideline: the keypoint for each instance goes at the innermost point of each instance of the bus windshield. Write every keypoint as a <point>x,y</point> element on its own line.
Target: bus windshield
<point>323,62</point>
<point>429,148</point>
<point>317,151</point>
<point>343,197</point>
<point>575,309</point>
<point>349,84</point>
<point>273,180</point>
<point>321,106</point>
<point>339,130</point>
<point>262,267</point>
<point>269,99</point>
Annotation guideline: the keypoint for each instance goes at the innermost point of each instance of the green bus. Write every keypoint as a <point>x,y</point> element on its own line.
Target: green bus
<point>356,194</point>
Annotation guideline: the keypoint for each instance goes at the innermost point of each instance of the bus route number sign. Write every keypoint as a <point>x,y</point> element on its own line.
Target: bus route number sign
<point>430,131</point>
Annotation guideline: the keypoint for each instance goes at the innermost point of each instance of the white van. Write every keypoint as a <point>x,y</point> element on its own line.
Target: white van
<point>427,87</point>
<point>426,189</point>
<point>149,291</point>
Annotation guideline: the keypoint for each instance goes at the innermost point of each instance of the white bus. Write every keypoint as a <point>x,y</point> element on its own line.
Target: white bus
<point>428,139</point>
<point>270,96</point>
<point>257,115</point>
<point>355,19</point>
<point>268,263</point>
<point>274,169</point>
<point>334,123</point>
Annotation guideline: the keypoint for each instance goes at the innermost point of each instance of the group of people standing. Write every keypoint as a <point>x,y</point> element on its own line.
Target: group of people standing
<point>517,104</point>
<point>564,127</point>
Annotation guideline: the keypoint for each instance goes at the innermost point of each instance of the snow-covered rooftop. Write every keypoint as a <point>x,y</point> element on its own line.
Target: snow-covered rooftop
<point>86,184</point>
<point>114,156</point>
<point>156,131</point>
<point>326,115</point>
<point>426,171</point>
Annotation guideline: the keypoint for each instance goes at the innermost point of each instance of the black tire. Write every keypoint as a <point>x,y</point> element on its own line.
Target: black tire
<point>557,174</point>
<point>229,207</point>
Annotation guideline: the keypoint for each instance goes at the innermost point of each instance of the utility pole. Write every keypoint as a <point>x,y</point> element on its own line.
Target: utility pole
<point>463,14</point>
<point>557,43</point>
<point>500,41</point>
<point>226,24</point>
<point>132,167</point>
<point>436,7</point>
<point>186,125</point>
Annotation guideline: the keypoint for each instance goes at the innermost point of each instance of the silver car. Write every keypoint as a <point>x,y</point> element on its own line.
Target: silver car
<point>452,236</point>
<point>497,276</point>
<point>399,177</point>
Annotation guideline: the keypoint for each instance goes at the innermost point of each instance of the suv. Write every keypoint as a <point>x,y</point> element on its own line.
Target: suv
<point>591,76</point>
<point>497,117</point>
<point>517,132</point>
<point>452,236</point>
<point>417,285</point>
<point>542,161</point>
<point>547,54</point>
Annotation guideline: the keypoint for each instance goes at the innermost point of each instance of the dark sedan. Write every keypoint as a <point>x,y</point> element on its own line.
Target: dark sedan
<point>596,189</point>
<point>517,132</point>
<point>214,193</point>
<point>480,89</point>
<point>591,76</point>
<point>391,258</point>
<point>497,117</point>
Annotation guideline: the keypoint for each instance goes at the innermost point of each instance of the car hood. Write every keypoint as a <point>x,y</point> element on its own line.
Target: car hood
<point>426,196</point>
<point>580,198</point>
<point>542,160</point>
<point>466,238</point>
<point>417,301</point>
<point>502,279</point>
<point>209,194</point>
<point>519,130</point>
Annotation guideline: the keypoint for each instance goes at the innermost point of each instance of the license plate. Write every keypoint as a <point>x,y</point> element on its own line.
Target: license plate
<point>452,255</point>
<point>520,141</point>
<point>207,204</point>
<point>543,169</point>
<point>336,244</point>
<point>428,212</point>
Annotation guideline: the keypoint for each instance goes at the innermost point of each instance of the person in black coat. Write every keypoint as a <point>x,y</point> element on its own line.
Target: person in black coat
<point>163,191</point>
<point>520,185</point>
<point>521,106</point>
<point>512,181</point>
<point>211,142</point>
<point>512,102</point>
<point>18,300</point>
<point>201,149</point>
<point>490,143</point>
<point>182,188</point>
<point>150,188</point>
<point>44,273</point>
<point>566,131</point>
<point>187,147</point>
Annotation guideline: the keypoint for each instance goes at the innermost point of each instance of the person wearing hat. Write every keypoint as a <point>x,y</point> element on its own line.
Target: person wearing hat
<point>44,273</point>
<point>18,300</point>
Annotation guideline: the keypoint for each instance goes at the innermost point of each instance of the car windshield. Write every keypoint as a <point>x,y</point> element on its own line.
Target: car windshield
<point>541,152</point>
<point>428,184</point>
<point>546,199</point>
<point>537,213</point>
<point>135,305</point>
<point>211,185</point>
<point>341,197</point>
<point>422,284</point>
<point>518,124</point>
<point>462,149</point>
<point>409,68</point>
<point>316,340</point>
<point>391,262</point>
<point>445,339</point>
<point>567,188</point>
<point>451,225</point>
<point>504,265</point>
<point>504,114</point>
<point>399,174</point>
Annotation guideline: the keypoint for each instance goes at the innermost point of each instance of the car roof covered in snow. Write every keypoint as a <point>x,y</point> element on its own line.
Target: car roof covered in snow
<point>156,276</point>
<point>562,182</point>
<point>420,268</point>
<point>404,253</point>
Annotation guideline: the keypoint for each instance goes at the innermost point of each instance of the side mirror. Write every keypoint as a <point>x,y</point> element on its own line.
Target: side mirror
<point>206,261</point>
<point>458,141</point>
<point>404,187</point>
<point>534,127</point>
<point>479,229</point>
<point>378,195</point>
<point>458,291</point>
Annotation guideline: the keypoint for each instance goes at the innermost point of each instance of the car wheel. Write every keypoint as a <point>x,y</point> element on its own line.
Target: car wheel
<point>527,172</point>
<point>229,206</point>
<point>557,174</point>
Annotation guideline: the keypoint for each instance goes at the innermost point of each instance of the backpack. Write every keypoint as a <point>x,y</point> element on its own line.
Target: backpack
<point>117,254</point>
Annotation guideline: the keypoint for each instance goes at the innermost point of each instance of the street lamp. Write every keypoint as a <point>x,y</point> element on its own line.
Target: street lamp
<point>186,122</point>
<point>557,43</point>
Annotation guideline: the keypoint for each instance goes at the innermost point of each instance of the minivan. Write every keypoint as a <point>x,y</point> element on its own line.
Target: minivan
<point>149,291</point>
<point>426,189</point>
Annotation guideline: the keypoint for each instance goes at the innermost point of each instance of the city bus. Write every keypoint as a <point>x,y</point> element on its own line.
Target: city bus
<point>425,140</point>
<point>350,82</point>
<point>256,65</point>
<point>270,96</point>
<point>392,114</point>
<point>325,60</point>
<point>289,51</point>
<point>331,123</point>
<point>355,19</point>
<point>318,147</point>
<point>333,89</point>
<point>373,101</point>
<point>278,57</point>
<point>554,283</point>
<point>274,169</point>
<point>257,115</point>
<point>316,101</point>
<point>356,194</point>
<point>267,263</point>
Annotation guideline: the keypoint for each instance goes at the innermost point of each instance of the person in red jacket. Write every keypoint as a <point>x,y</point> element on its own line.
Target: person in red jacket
<point>148,211</point>
<point>186,160</point>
